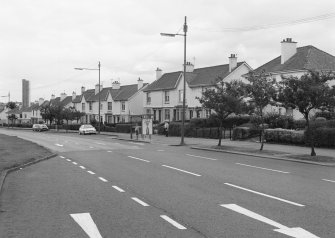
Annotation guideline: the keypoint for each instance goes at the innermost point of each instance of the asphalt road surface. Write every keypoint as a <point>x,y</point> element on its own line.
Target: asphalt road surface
<point>98,186</point>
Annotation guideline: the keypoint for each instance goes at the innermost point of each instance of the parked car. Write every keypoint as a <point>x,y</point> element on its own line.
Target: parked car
<point>87,129</point>
<point>40,127</point>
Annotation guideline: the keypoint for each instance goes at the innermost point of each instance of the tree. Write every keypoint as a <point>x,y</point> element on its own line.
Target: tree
<point>12,117</point>
<point>261,90</point>
<point>224,99</point>
<point>310,91</point>
<point>78,114</point>
<point>11,105</point>
<point>46,113</point>
<point>68,114</point>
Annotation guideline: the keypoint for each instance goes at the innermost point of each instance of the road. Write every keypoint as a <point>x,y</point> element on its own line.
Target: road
<point>98,186</point>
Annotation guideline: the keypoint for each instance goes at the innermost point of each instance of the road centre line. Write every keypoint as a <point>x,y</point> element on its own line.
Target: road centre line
<point>90,172</point>
<point>265,195</point>
<point>197,156</point>
<point>140,202</point>
<point>118,189</point>
<point>274,170</point>
<point>109,151</point>
<point>68,160</point>
<point>332,181</point>
<point>181,170</point>
<point>139,159</point>
<point>62,157</point>
<point>82,167</point>
<point>173,222</point>
<point>103,180</point>
<point>74,163</point>
<point>99,143</point>
<point>59,145</point>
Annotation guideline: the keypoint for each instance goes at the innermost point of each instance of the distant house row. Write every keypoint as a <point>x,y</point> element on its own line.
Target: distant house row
<point>163,98</point>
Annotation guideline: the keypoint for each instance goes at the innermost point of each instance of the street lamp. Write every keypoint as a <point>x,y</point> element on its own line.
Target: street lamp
<point>99,65</point>
<point>184,89</point>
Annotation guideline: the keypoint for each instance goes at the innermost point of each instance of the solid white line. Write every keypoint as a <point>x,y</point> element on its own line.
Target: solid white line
<point>62,157</point>
<point>102,179</point>
<point>265,195</point>
<point>197,156</point>
<point>332,181</point>
<point>86,222</point>
<point>99,143</point>
<point>74,163</point>
<point>140,202</point>
<point>90,172</point>
<point>118,189</point>
<point>274,170</point>
<point>173,222</point>
<point>82,167</point>
<point>139,159</point>
<point>181,170</point>
<point>68,160</point>
<point>59,145</point>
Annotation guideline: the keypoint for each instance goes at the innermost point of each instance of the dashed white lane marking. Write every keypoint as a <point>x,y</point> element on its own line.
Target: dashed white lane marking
<point>59,145</point>
<point>173,222</point>
<point>90,172</point>
<point>140,202</point>
<point>103,180</point>
<point>99,143</point>
<point>139,159</point>
<point>197,156</point>
<point>265,195</point>
<point>118,189</point>
<point>86,222</point>
<point>74,163</point>
<point>82,167</point>
<point>109,151</point>
<point>274,170</point>
<point>62,157</point>
<point>160,150</point>
<point>136,143</point>
<point>181,170</point>
<point>91,147</point>
<point>332,181</point>
<point>68,160</point>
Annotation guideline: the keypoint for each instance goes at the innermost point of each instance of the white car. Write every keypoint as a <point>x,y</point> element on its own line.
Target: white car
<point>87,129</point>
<point>40,127</point>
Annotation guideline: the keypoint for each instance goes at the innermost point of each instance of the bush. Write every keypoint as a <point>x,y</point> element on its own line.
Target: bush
<point>326,114</point>
<point>241,133</point>
<point>300,124</point>
<point>323,136</point>
<point>284,136</point>
<point>123,128</point>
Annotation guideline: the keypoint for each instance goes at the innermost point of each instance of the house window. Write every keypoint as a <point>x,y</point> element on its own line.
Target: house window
<point>25,115</point>
<point>83,106</point>
<point>90,106</point>
<point>167,114</point>
<point>181,95</point>
<point>109,105</point>
<point>208,113</point>
<point>148,98</point>
<point>148,111</point>
<point>166,97</point>
<point>191,114</point>
<point>198,113</point>
<point>123,106</point>
<point>123,119</point>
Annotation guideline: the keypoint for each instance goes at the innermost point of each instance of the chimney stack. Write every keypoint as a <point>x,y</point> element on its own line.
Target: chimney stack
<point>82,90</point>
<point>288,49</point>
<point>159,73</point>
<point>139,83</point>
<point>74,95</point>
<point>40,101</point>
<point>232,62</point>
<point>116,85</point>
<point>97,89</point>
<point>52,96</point>
<point>62,96</point>
<point>189,67</point>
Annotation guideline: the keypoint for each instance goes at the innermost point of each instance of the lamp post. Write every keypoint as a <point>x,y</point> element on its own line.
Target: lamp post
<point>99,65</point>
<point>182,132</point>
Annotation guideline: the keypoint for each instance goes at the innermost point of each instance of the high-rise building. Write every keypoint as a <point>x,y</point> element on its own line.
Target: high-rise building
<point>25,93</point>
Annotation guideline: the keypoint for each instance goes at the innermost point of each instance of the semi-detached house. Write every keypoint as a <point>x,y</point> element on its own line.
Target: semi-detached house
<point>164,97</point>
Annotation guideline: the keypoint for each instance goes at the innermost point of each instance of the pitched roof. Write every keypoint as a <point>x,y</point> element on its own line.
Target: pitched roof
<point>306,58</point>
<point>77,99</point>
<point>199,77</point>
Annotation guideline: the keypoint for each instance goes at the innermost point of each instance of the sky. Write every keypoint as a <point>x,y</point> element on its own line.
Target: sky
<point>44,40</point>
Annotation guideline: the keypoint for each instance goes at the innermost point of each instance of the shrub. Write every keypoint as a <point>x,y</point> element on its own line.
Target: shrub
<point>300,124</point>
<point>123,128</point>
<point>284,136</point>
<point>326,114</point>
<point>241,133</point>
<point>323,136</point>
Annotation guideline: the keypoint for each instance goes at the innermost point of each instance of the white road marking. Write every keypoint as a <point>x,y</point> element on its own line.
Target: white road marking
<point>86,222</point>
<point>332,181</point>
<point>59,145</point>
<point>82,167</point>
<point>139,159</point>
<point>160,150</point>
<point>180,170</point>
<point>297,232</point>
<point>173,222</point>
<point>102,179</point>
<point>118,189</point>
<point>140,202</point>
<point>76,143</point>
<point>109,151</point>
<point>68,160</point>
<point>136,143</point>
<point>265,195</point>
<point>91,147</point>
<point>90,172</point>
<point>274,170</point>
<point>74,163</point>
<point>62,157</point>
<point>99,143</point>
<point>197,156</point>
